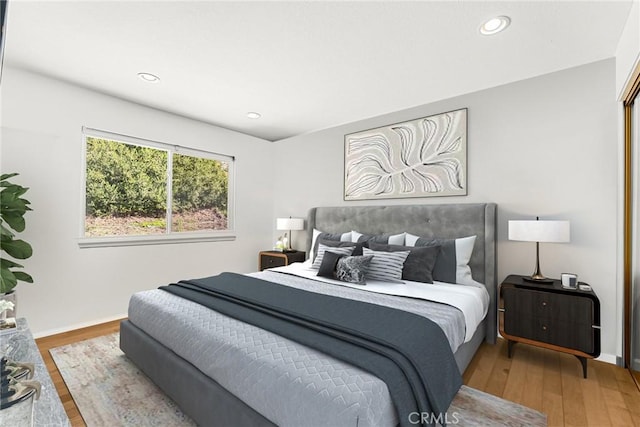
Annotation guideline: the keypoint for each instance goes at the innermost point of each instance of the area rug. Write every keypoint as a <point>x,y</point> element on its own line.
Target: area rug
<point>109,390</point>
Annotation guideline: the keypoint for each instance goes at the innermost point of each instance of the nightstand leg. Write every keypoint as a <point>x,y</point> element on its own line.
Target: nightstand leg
<point>510,347</point>
<point>583,362</point>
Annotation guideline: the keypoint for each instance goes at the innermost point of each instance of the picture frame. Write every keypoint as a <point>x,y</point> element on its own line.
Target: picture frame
<point>424,157</point>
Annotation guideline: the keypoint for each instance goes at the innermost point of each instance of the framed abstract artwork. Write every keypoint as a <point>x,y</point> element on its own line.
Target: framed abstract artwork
<point>420,158</point>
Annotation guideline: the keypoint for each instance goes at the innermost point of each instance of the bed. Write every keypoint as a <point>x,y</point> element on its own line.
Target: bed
<point>255,393</point>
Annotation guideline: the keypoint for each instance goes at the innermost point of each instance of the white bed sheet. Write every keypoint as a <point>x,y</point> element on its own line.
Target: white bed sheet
<point>471,300</point>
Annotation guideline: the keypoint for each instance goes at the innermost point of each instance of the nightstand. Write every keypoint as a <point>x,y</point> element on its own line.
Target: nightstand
<point>271,259</point>
<point>550,316</point>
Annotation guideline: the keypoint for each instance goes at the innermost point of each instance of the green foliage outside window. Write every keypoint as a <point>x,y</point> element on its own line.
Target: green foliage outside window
<point>199,184</point>
<point>126,190</point>
<point>125,179</point>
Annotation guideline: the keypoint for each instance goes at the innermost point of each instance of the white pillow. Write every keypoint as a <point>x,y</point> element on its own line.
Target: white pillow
<point>385,266</point>
<point>410,239</point>
<point>397,239</point>
<point>464,249</point>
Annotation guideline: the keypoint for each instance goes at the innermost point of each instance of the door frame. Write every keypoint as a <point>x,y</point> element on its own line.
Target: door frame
<point>630,95</point>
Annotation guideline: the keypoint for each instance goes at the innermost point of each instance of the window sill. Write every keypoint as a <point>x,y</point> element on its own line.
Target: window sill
<point>160,239</point>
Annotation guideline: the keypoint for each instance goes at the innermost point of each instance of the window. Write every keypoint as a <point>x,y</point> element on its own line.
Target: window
<point>146,191</point>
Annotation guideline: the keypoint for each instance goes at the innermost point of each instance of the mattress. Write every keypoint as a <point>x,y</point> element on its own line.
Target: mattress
<point>288,383</point>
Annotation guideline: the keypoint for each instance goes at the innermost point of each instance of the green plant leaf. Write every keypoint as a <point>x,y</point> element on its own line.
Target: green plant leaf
<point>7,263</point>
<point>4,231</point>
<point>18,249</point>
<point>11,203</point>
<point>8,280</point>
<point>5,176</point>
<point>22,276</point>
<point>14,220</point>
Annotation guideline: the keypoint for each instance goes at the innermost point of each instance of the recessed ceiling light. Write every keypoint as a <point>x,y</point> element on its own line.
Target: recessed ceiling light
<point>148,77</point>
<point>253,115</point>
<point>495,25</point>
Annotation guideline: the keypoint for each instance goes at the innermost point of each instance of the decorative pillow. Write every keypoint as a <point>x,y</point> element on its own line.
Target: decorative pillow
<point>353,269</point>
<point>329,263</point>
<point>418,266</point>
<point>391,239</point>
<point>322,249</point>
<point>386,266</point>
<point>357,247</point>
<point>452,263</point>
<point>317,234</point>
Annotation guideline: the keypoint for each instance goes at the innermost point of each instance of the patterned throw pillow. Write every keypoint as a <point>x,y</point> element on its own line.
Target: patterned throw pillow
<point>353,269</point>
<point>386,266</point>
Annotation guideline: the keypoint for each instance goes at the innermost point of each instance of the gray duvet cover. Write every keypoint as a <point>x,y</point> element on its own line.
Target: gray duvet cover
<point>290,384</point>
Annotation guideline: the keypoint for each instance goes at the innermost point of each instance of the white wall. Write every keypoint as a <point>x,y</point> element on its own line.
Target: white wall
<point>628,50</point>
<point>544,146</point>
<point>41,139</point>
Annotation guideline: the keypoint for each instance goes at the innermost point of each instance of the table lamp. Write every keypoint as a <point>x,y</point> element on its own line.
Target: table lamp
<point>289,224</point>
<point>539,231</point>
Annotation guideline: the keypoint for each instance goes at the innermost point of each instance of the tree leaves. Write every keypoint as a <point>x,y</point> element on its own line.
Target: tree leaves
<point>130,180</point>
<point>411,159</point>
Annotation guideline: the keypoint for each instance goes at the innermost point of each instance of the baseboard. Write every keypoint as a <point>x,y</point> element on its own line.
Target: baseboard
<point>608,358</point>
<point>73,327</point>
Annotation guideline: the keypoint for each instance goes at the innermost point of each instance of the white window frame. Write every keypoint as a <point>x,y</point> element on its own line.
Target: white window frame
<point>168,236</point>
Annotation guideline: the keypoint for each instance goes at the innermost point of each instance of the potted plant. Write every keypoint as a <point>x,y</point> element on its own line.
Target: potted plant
<point>12,210</point>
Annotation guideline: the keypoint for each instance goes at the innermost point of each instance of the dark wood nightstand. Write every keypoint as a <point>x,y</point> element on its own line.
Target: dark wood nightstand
<point>550,316</point>
<point>271,259</point>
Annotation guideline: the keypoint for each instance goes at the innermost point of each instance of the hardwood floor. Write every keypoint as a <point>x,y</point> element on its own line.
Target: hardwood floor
<point>551,382</point>
<point>541,379</point>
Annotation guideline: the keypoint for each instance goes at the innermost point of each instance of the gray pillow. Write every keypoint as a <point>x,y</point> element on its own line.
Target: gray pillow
<point>357,247</point>
<point>353,269</point>
<point>379,238</point>
<point>325,236</point>
<point>419,265</point>
<point>386,266</point>
<point>452,263</point>
<point>329,263</point>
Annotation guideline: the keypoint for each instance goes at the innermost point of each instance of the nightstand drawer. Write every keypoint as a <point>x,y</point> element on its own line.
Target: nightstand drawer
<point>270,261</point>
<point>548,305</point>
<point>572,335</point>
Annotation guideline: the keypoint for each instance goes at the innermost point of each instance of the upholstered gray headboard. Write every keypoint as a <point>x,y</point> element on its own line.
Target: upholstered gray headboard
<point>443,221</point>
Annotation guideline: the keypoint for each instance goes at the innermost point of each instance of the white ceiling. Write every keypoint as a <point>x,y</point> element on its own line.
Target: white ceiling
<point>304,66</point>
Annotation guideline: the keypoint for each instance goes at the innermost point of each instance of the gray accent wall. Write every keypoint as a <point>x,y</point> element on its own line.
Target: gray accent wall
<point>546,146</point>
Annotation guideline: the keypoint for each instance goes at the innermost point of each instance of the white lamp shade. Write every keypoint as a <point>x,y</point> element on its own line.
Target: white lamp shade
<point>539,231</point>
<point>290,224</point>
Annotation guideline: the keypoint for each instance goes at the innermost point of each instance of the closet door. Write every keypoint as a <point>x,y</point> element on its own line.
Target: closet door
<point>634,331</point>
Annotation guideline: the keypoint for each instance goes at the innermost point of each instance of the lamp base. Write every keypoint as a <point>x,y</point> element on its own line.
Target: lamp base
<point>543,280</point>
